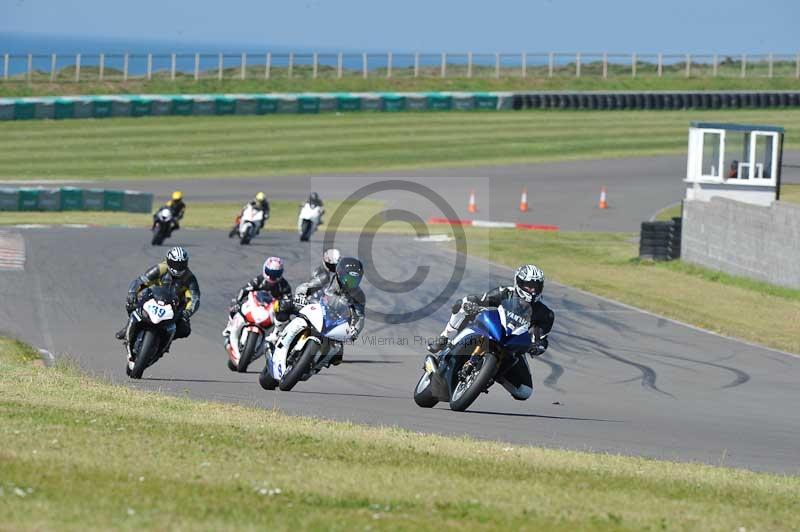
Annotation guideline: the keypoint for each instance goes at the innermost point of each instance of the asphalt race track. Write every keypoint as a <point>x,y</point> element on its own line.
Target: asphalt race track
<point>615,379</point>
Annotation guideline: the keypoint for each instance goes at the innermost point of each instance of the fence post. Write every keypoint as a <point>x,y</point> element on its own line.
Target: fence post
<point>364,65</point>
<point>53,68</point>
<point>244,65</point>
<point>444,65</point>
<point>172,66</point>
<point>77,67</point>
<point>524,61</point>
<point>196,66</point>
<point>469,64</point>
<point>30,67</point>
<point>220,61</point>
<point>314,65</point>
<point>149,66</point>
<point>267,65</point>
<point>339,65</point>
<point>660,64</point>
<point>291,65</point>
<point>633,64</point>
<point>797,66</point>
<point>769,62</point>
<point>605,65</point>
<point>416,64</point>
<point>125,67</point>
<point>388,64</point>
<point>714,65</point>
<point>550,61</point>
<point>5,66</point>
<point>497,65</point>
<point>102,65</point>
<point>688,65</point>
<point>744,65</point>
<point>578,65</point>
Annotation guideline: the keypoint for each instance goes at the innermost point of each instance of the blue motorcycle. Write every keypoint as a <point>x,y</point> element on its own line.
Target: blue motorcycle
<point>490,345</point>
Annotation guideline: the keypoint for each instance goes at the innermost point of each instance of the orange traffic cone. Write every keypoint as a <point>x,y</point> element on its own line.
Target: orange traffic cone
<point>603,200</point>
<point>523,200</point>
<point>472,207</point>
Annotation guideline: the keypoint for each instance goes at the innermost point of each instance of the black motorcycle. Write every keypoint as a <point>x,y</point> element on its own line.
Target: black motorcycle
<point>162,222</point>
<point>153,323</point>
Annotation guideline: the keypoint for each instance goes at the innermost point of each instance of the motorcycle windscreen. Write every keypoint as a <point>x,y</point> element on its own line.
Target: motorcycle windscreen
<point>160,303</point>
<point>515,316</point>
<point>336,317</point>
<point>258,308</point>
<point>488,322</point>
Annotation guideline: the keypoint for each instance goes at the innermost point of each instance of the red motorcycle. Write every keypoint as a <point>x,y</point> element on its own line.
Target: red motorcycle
<point>248,329</point>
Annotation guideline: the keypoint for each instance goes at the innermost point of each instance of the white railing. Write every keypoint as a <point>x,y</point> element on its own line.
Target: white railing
<point>331,65</point>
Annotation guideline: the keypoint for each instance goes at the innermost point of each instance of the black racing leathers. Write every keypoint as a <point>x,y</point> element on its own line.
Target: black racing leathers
<point>281,291</point>
<point>186,286</point>
<point>542,317</point>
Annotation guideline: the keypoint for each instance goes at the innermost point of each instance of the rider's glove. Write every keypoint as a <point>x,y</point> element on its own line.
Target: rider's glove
<point>186,314</point>
<point>470,308</point>
<point>300,300</point>
<point>539,347</point>
<point>352,333</point>
<point>130,302</point>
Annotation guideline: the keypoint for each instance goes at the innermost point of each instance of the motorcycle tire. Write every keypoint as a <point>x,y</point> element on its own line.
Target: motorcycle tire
<point>481,381</point>
<point>300,367</point>
<point>231,365</point>
<point>146,355</point>
<point>422,393</point>
<point>265,379</point>
<point>158,237</point>
<point>247,353</point>
<point>305,234</point>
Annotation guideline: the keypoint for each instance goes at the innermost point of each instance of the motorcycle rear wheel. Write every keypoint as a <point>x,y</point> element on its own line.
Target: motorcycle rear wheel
<point>300,367</point>
<point>463,398</point>
<point>146,355</point>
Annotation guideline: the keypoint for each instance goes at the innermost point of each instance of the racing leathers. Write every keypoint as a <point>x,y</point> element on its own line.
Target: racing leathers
<point>324,283</point>
<point>517,380</point>
<point>188,297</point>
<point>280,290</point>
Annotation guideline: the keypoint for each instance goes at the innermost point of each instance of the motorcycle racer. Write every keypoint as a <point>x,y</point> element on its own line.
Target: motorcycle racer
<point>259,202</point>
<point>178,209</point>
<point>271,280</point>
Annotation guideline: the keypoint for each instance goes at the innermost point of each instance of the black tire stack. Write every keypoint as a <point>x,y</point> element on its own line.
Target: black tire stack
<point>660,240</point>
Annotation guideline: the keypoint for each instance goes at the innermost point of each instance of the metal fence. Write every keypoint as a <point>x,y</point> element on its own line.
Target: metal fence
<point>312,65</point>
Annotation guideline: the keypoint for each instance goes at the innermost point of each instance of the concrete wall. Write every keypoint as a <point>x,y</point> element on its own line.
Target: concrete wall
<point>742,239</point>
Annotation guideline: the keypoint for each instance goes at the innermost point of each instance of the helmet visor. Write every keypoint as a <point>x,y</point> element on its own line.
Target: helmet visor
<point>349,281</point>
<point>177,267</point>
<point>534,288</point>
<point>273,276</point>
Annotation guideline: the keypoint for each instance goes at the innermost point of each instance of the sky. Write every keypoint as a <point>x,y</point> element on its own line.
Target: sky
<point>724,26</point>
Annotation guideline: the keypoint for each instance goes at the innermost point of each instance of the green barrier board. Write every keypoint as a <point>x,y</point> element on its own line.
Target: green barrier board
<point>440,102</point>
<point>64,109</point>
<point>224,106</point>
<point>24,110</point>
<point>348,103</point>
<point>160,106</point>
<point>112,200</point>
<point>137,202</point>
<point>485,101</point>
<point>6,109</point>
<point>71,199</point>
<point>9,199</point>
<point>101,108</point>
<point>307,104</point>
<point>393,103</point>
<point>120,107</point>
<point>141,107</point>
<point>266,105</point>
<point>49,199</point>
<point>182,106</point>
<point>28,199</point>
<point>93,199</point>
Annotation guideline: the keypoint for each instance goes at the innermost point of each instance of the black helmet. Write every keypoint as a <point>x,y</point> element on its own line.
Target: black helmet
<point>177,261</point>
<point>349,273</point>
<point>314,198</point>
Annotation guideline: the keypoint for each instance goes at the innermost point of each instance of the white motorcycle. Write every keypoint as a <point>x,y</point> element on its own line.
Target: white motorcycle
<point>308,220</point>
<point>249,223</point>
<point>163,221</point>
<point>308,343</point>
<point>247,330</point>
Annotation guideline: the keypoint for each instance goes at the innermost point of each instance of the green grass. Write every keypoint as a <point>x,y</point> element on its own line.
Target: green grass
<point>790,193</point>
<point>605,264</point>
<point>280,83</point>
<point>668,213</point>
<point>80,454</point>
<point>192,147</point>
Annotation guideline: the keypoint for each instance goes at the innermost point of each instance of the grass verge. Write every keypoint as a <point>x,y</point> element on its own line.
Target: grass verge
<point>397,83</point>
<point>225,146</point>
<point>605,264</point>
<point>78,454</point>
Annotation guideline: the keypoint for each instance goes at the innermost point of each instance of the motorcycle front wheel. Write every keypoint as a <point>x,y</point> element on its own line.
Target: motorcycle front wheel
<point>422,393</point>
<point>305,233</point>
<point>247,352</point>
<point>146,355</point>
<point>468,389</point>
<point>158,235</point>
<point>300,367</point>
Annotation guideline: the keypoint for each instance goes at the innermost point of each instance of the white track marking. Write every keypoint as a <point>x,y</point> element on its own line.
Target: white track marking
<point>12,251</point>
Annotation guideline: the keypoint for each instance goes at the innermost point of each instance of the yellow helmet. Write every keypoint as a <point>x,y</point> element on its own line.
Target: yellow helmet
<point>260,197</point>
<point>177,195</point>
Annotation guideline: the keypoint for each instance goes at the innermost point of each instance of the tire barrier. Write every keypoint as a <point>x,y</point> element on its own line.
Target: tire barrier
<point>660,240</point>
<point>60,108</point>
<point>74,199</point>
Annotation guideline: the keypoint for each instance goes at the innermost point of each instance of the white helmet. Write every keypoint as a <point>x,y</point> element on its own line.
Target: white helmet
<point>331,259</point>
<point>529,282</point>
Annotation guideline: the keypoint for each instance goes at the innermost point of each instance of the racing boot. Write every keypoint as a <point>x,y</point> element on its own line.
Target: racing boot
<point>120,335</point>
<point>438,344</point>
<point>233,231</point>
